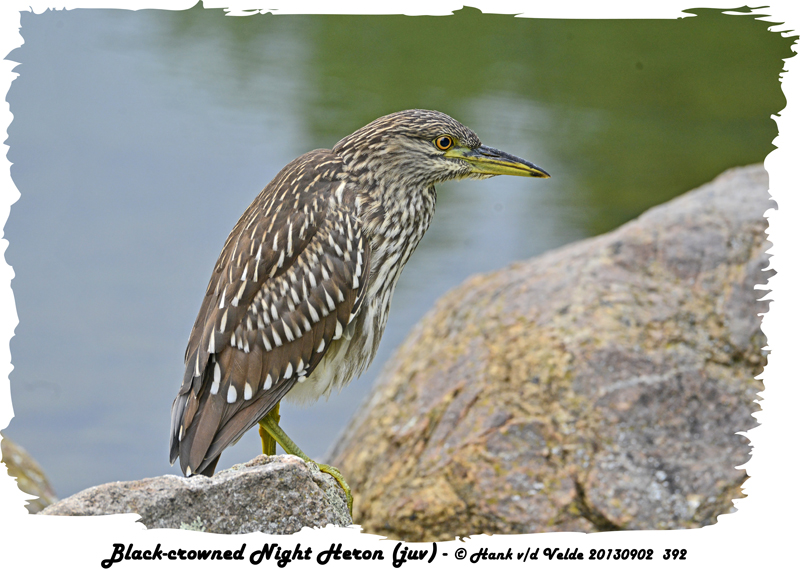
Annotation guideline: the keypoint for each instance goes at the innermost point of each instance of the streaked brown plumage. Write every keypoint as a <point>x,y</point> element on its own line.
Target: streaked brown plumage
<point>299,297</point>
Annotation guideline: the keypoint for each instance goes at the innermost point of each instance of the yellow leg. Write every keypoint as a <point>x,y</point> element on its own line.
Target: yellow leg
<point>267,442</point>
<point>269,425</point>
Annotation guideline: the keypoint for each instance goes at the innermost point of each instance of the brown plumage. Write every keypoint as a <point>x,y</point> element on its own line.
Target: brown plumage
<point>299,297</point>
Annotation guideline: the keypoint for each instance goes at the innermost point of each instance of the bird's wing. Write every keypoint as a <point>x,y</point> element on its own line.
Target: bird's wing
<point>290,278</point>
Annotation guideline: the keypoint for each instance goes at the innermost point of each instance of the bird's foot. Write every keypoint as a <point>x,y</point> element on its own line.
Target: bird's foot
<point>337,475</point>
<point>271,434</point>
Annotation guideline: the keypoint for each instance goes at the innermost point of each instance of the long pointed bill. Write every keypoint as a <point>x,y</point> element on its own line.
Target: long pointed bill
<point>488,161</point>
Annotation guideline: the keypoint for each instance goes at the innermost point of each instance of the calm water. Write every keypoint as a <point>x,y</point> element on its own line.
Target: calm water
<point>140,137</point>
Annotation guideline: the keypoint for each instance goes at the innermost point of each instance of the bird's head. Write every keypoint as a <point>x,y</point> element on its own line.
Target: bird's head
<point>420,147</point>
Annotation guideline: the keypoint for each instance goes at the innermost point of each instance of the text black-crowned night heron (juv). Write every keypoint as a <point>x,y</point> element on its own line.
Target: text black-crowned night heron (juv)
<point>299,297</point>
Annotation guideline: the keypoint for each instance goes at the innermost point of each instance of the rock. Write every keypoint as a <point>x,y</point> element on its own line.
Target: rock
<point>271,494</point>
<point>30,476</point>
<point>600,386</point>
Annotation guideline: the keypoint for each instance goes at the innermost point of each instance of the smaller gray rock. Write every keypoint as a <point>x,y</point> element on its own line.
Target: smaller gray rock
<point>271,494</point>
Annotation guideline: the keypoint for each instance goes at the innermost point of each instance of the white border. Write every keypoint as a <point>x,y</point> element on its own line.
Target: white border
<point>759,534</point>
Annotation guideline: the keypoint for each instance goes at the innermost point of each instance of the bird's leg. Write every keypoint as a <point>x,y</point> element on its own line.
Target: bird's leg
<point>269,424</point>
<point>267,441</point>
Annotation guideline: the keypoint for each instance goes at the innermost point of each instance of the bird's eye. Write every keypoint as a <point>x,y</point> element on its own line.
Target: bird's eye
<point>443,143</point>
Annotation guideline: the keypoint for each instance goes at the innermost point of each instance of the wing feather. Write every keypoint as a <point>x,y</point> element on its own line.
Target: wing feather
<point>289,279</point>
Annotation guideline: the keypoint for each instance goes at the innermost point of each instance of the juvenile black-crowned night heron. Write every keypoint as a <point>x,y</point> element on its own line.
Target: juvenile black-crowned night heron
<point>300,295</point>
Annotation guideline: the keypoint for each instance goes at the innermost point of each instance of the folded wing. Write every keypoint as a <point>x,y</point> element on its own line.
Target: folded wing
<point>288,282</point>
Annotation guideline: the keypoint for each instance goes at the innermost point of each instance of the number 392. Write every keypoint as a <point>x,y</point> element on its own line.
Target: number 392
<point>674,554</point>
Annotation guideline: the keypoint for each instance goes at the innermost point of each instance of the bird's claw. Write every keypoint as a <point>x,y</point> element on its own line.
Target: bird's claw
<point>337,475</point>
<point>271,433</point>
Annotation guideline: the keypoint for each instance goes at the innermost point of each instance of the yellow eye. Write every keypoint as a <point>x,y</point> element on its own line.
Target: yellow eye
<point>443,143</point>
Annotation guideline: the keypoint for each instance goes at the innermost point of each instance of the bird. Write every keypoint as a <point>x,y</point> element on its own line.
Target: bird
<point>300,295</point>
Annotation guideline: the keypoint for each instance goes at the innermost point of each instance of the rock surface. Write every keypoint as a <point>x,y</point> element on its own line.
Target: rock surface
<point>271,494</point>
<point>29,475</point>
<point>597,387</point>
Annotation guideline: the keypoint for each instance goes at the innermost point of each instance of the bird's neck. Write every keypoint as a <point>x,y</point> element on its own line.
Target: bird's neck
<point>395,220</point>
<point>399,213</point>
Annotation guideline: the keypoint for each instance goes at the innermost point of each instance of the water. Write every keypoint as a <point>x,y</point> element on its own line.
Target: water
<point>140,137</point>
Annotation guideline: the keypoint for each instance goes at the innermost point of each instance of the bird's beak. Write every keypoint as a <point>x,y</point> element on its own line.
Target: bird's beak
<point>488,161</point>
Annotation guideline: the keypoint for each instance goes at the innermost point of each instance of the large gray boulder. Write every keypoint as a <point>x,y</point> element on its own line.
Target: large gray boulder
<point>271,494</point>
<point>600,386</point>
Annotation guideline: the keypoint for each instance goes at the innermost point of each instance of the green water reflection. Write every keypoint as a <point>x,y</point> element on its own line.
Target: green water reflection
<point>633,112</point>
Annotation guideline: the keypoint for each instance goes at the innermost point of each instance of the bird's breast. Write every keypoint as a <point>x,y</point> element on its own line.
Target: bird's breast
<point>393,236</point>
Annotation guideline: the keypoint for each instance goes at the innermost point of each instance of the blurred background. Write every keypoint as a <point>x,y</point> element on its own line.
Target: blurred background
<point>139,138</point>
